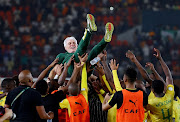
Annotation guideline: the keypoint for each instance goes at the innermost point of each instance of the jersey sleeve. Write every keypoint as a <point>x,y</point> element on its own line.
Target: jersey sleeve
<point>107,84</point>
<point>116,81</point>
<point>173,115</point>
<point>84,86</point>
<point>116,98</point>
<point>101,98</point>
<point>64,104</point>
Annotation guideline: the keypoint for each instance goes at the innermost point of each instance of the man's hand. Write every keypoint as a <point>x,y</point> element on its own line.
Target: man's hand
<point>107,97</point>
<point>69,62</point>
<point>130,55</point>
<point>99,69</point>
<point>88,67</point>
<point>83,58</point>
<point>51,114</point>
<point>158,54</point>
<point>97,87</point>
<point>78,66</point>
<point>58,69</point>
<point>113,65</point>
<point>150,65</point>
<point>103,55</point>
<point>54,62</point>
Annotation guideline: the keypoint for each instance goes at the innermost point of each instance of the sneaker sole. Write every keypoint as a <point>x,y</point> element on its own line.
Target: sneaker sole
<point>92,22</point>
<point>109,30</point>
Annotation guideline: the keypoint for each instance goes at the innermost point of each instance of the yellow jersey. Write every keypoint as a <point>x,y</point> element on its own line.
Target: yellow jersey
<point>176,109</point>
<point>2,103</point>
<point>84,91</point>
<point>161,107</point>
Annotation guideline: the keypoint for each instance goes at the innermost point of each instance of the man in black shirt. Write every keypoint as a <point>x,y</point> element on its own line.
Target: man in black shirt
<point>50,101</point>
<point>25,101</point>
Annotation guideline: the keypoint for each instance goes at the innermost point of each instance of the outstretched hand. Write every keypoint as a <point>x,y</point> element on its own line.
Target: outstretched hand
<point>99,69</point>
<point>113,65</point>
<point>130,55</point>
<point>158,54</point>
<point>150,65</point>
<point>97,86</point>
<point>54,62</point>
<point>69,62</point>
<point>83,58</point>
<point>107,97</point>
<point>103,55</point>
<point>58,69</point>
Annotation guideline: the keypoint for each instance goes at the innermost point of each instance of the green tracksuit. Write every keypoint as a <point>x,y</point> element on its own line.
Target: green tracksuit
<point>82,47</point>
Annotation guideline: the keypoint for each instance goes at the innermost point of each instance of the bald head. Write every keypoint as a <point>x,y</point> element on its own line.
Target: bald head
<point>25,76</point>
<point>73,89</point>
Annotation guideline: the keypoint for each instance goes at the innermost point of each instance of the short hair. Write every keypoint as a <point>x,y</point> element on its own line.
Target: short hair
<point>73,89</point>
<point>68,38</point>
<point>15,78</point>
<point>131,73</point>
<point>41,87</point>
<point>158,86</point>
<point>7,81</point>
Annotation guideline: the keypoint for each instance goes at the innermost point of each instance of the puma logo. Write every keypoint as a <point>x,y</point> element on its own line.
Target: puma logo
<point>133,102</point>
<point>78,104</point>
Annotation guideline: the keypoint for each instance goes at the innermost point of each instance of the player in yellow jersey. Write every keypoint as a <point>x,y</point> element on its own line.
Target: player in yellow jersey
<point>160,102</point>
<point>7,85</point>
<point>176,105</point>
<point>77,104</point>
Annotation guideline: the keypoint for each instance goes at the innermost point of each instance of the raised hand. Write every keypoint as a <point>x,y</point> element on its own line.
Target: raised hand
<point>54,62</point>
<point>150,65</point>
<point>78,66</point>
<point>83,58</point>
<point>158,54</point>
<point>103,55</point>
<point>97,87</point>
<point>107,97</point>
<point>99,69</point>
<point>88,67</point>
<point>69,62</point>
<point>130,55</point>
<point>113,65</point>
<point>59,68</point>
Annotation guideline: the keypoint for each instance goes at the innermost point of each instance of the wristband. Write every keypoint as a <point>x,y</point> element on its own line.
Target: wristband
<point>102,91</point>
<point>13,116</point>
<point>56,76</point>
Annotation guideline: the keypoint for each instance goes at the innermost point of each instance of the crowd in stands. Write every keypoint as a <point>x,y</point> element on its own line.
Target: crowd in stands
<point>32,32</point>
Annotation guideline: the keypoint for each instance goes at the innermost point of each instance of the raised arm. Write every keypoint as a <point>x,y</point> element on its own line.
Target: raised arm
<point>100,70</point>
<point>107,71</point>
<point>65,70</point>
<point>169,79</point>
<point>77,68</point>
<point>114,69</point>
<point>142,71</point>
<point>84,79</point>
<point>156,75</point>
<point>44,72</point>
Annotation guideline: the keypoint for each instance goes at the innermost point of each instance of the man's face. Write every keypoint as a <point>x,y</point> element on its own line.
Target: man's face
<point>71,46</point>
